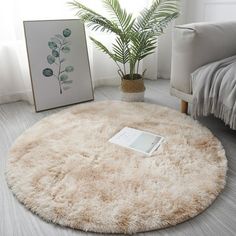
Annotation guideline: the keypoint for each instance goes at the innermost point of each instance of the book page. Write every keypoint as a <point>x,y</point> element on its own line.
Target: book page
<point>138,140</point>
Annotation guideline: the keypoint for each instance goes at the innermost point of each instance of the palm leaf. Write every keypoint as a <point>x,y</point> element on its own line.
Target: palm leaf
<point>94,19</point>
<point>120,16</point>
<point>103,48</point>
<point>121,52</point>
<point>158,12</point>
<point>158,29</point>
<point>143,44</point>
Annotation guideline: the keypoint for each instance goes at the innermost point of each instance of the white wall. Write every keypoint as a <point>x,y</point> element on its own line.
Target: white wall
<point>165,45</point>
<point>211,10</point>
<point>193,11</point>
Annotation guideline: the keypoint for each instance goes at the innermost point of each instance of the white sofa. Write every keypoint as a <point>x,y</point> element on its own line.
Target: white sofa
<point>195,45</point>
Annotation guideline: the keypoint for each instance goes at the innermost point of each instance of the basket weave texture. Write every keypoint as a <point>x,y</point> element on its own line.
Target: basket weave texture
<point>132,86</point>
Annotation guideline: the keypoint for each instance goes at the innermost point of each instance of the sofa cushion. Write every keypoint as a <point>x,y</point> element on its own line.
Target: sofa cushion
<point>195,45</point>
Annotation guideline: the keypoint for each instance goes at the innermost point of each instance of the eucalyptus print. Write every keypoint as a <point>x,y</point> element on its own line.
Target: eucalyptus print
<point>59,46</point>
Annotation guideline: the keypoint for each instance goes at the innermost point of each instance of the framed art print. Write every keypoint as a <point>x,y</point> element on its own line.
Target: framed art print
<point>59,63</point>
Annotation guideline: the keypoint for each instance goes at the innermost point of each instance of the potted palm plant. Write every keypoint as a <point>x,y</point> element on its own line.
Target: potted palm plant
<point>135,39</point>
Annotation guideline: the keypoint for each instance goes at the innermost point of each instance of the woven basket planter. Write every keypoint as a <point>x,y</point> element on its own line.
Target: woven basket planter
<point>132,90</point>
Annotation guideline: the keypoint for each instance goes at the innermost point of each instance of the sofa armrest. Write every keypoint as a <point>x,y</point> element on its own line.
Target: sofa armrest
<point>195,45</point>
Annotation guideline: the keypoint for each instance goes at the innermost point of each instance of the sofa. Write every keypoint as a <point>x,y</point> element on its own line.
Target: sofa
<point>195,45</point>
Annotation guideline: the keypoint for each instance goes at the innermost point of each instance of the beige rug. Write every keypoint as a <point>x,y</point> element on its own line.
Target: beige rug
<point>65,170</point>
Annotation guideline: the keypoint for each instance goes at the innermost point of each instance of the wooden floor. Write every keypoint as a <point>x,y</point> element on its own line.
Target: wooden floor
<point>15,220</point>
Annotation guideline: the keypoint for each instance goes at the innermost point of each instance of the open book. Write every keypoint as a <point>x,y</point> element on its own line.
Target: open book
<point>137,140</point>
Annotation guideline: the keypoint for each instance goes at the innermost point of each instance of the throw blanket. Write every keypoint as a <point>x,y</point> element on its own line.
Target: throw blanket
<point>214,91</point>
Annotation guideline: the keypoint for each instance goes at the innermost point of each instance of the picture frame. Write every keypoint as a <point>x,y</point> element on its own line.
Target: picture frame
<point>58,63</point>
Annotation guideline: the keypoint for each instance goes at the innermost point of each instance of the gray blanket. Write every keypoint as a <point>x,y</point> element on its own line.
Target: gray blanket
<point>214,91</point>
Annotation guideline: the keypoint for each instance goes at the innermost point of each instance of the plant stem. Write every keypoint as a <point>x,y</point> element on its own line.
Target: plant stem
<point>127,46</point>
<point>138,67</point>
<point>124,57</point>
<point>132,70</point>
<point>124,69</point>
<point>118,65</point>
<point>59,72</point>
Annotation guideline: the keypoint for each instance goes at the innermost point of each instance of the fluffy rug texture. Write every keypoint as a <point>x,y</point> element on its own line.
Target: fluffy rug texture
<point>65,170</point>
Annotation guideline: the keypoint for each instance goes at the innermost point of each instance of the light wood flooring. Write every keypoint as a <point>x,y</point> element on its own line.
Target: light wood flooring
<point>218,220</point>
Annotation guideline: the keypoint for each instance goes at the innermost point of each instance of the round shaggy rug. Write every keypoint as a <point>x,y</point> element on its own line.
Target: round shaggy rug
<point>65,170</point>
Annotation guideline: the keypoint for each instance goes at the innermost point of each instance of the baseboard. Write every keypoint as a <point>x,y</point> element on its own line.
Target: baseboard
<point>111,82</point>
<point>106,82</point>
<point>163,76</point>
<point>15,97</point>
